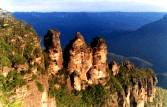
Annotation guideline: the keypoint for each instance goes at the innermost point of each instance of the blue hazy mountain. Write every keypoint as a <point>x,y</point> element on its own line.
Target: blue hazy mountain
<point>89,24</point>
<point>149,42</point>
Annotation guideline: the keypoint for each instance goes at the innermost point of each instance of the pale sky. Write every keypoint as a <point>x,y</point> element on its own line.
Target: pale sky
<point>84,5</point>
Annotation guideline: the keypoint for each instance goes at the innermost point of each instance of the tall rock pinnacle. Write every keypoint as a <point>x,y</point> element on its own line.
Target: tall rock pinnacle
<point>99,73</point>
<point>53,47</point>
<point>80,60</point>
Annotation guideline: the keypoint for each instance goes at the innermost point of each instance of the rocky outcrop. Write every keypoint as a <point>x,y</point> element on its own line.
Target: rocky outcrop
<point>138,84</point>
<point>114,67</point>
<point>130,66</point>
<point>98,72</point>
<point>86,64</point>
<point>80,57</point>
<point>143,92</point>
<point>79,61</point>
<point>53,48</point>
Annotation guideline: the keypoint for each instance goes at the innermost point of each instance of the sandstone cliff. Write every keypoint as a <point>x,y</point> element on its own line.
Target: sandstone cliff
<point>21,65</point>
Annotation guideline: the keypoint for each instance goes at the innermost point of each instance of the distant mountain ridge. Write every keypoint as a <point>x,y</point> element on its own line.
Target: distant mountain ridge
<point>101,23</point>
<point>147,42</point>
<point>158,26</point>
<point>138,62</point>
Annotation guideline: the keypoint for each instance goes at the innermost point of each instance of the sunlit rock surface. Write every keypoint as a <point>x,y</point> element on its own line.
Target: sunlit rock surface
<point>98,72</point>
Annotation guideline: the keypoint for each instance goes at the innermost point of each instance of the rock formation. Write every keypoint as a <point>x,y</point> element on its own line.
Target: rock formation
<point>143,91</point>
<point>53,48</point>
<point>98,72</point>
<point>115,68</point>
<point>80,60</point>
<point>128,65</point>
<point>87,65</point>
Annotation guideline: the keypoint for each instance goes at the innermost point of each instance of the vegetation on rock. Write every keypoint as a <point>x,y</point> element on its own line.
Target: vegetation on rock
<point>18,53</point>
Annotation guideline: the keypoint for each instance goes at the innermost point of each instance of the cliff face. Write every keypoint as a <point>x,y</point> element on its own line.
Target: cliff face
<point>21,65</point>
<point>138,85</point>
<point>80,73</point>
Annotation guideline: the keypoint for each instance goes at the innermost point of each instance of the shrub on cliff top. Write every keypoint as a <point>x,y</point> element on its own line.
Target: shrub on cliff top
<point>93,96</point>
<point>11,82</point>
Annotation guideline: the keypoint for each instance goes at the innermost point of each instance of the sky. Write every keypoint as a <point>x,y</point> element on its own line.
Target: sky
<point>84,5</point>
